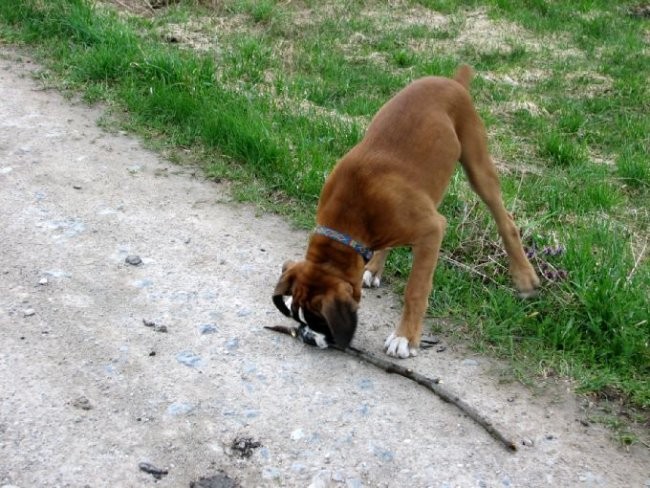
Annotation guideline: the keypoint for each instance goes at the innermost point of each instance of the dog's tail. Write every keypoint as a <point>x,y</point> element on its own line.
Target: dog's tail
<point>464,75</point>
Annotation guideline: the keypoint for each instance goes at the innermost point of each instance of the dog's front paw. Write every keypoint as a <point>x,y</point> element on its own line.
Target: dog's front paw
<point>371,280</point>
<point>398,347</point>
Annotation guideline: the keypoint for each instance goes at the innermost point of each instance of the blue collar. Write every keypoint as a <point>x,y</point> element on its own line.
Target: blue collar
<point>365,253</point>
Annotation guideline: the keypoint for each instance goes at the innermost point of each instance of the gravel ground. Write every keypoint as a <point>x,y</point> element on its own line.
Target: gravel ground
<point>158,371</point>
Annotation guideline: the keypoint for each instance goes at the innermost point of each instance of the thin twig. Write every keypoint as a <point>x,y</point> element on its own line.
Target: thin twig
<point>432,384</point>
<point>471,270</point>
<point>149,5</point>
<point>466,214</point>
<point>514,201</point>
<point>123,5</point>
<point>636,262</point>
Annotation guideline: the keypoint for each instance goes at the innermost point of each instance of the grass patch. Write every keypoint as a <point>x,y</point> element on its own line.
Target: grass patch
<point>277,92</point>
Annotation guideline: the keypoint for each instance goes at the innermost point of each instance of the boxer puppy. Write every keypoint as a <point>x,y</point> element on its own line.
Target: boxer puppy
<point>385,193</point>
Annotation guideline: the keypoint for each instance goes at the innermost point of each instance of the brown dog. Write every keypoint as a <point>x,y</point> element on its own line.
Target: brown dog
<point>385,193</point>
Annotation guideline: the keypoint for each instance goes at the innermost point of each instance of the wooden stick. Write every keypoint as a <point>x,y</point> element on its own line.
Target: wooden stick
<point>432,384</point>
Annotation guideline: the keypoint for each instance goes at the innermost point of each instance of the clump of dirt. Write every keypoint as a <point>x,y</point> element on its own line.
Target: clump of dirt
<point>197,34</point>
<point>590,84</point>
<point>219,480</point>
<point>407,15</point>
<point>641,10</point>
<point>488,35</point>
<point>244,446</point>
<point>517,77</point>
<point>137,7</point>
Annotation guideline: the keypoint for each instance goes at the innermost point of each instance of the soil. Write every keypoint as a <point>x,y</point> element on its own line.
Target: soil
<point>158,372</point>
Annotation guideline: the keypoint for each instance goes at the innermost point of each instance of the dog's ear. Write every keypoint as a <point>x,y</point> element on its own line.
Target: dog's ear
<point>340,312</point>
<point>283,288</point>
<point>287,264</point>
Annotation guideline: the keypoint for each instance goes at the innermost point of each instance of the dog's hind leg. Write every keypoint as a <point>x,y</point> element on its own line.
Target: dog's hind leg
<point>374,269</point>
<point>482,175</point>
<point>406,339</point>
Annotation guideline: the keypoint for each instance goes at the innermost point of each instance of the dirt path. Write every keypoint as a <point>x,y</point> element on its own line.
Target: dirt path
<point>87,391</point>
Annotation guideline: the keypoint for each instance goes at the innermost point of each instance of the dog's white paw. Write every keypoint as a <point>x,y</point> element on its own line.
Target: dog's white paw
<point>398,347</point>
<point>370,280</point>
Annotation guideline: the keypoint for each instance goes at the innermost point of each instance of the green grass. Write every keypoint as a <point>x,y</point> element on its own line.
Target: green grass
<point>284,89</point>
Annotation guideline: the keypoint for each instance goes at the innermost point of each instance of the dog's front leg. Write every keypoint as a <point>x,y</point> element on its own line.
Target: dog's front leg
<point>405,340</point>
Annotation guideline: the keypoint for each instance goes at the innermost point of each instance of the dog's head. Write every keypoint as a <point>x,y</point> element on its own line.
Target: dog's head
<point>327,302</point>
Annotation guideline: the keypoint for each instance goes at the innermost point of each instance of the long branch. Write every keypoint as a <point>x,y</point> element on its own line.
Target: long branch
<point>432,384</point>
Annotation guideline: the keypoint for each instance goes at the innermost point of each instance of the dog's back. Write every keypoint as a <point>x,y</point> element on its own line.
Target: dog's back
<point>425,120</point>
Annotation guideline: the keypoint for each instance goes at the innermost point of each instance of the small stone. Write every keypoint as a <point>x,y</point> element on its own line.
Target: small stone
<point>148,323</point>
<point>188,358</point>
<point>157,473</point>
<point>264,453</point>
<point>133,260</point>
<point>365,384</point>
<point>338,476</point>
<point>251,413</point>
<point>271,473</point>
<point>244,312</point>
<point>590,478</point>
<point>441,348</point>
<point>321,479</point>
<point>297,434</point>
<point>160,328</point>
<point>527,442</point>
<point>76,187</point>
<point>29,312</point>
<point>364,410</point>
<point>83,403</point>
<point>42,281</point>
<point>220,480</point>
<point>180,408</point>
<point>353,483</point>
<point>383,454</point>
<point>152,353</point>
<point>208,329</point>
